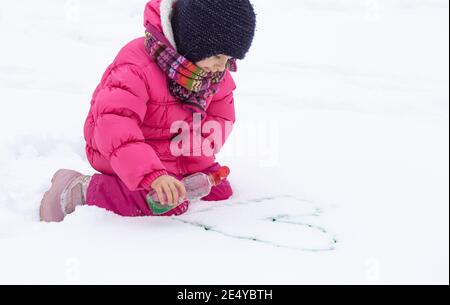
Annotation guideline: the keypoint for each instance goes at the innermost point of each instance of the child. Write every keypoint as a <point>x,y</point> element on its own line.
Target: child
<point>157,85</point>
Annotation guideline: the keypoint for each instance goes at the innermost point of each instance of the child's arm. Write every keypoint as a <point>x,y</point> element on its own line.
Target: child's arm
<point>119,111</point>
<point>222,110</point>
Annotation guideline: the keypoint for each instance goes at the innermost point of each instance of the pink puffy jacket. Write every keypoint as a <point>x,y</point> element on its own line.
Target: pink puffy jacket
<point>127,130</point>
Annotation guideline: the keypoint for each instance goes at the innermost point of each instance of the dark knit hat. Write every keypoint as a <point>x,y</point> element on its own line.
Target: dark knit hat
<point>205,28</point>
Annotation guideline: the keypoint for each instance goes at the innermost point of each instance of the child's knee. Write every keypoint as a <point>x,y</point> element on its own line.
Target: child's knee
<point>221,192</point>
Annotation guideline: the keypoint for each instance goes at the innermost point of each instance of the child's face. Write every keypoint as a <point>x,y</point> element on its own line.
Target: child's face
<point>214,63</point>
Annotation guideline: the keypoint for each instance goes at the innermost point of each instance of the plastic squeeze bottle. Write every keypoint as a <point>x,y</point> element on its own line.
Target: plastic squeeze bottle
<point>197,186</point>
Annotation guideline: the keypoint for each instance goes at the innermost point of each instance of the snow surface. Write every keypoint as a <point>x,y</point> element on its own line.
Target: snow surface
<point>340,157</point>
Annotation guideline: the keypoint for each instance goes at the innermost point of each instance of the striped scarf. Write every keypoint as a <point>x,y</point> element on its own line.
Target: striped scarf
<point>188,83</point>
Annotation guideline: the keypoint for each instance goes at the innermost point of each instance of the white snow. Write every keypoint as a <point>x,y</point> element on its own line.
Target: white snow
<point>340,157</point>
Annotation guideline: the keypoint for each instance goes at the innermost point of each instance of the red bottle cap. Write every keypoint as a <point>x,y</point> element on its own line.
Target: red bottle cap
<point>221,174</point>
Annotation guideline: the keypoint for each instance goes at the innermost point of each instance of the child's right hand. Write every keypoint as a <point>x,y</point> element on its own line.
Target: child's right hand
<point>169,190</point>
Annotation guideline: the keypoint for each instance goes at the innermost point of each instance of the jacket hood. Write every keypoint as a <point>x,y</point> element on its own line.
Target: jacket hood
<point>158,13</point>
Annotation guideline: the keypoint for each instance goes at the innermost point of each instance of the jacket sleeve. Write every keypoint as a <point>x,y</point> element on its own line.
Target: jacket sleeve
<point>221,110</point>
<point>220,117</point>
<point>119,111</point>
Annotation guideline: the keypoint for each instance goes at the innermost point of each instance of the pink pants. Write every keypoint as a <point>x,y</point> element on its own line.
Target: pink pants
<point>110,193</point>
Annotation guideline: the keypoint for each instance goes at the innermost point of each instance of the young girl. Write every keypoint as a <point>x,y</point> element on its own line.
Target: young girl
<point>156,86</point>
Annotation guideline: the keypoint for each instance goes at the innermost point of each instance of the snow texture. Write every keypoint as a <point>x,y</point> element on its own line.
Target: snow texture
<point>339,157</point>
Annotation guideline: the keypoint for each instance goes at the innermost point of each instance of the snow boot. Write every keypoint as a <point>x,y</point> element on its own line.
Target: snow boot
<point>68,191</point>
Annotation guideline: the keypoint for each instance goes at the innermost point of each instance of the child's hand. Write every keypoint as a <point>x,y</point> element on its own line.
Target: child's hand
<point>169,190</point>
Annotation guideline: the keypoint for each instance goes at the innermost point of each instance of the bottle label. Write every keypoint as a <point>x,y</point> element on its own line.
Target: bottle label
<point>157,208</point>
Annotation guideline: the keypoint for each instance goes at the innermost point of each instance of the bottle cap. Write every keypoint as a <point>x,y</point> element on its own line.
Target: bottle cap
<point>221,174</point>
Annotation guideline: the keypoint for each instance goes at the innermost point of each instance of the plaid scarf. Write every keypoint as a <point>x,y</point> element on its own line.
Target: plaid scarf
<point>187,82</point>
